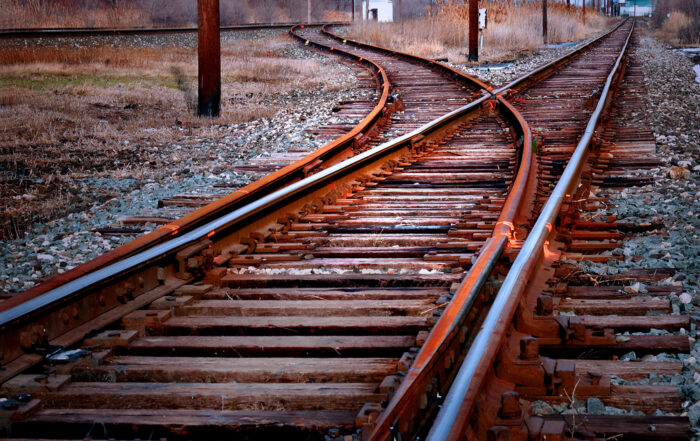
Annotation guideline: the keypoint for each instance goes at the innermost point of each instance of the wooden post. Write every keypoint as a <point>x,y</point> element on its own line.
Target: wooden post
<point>209,43</point>
<point>473,30</point>
<point>544,21</point>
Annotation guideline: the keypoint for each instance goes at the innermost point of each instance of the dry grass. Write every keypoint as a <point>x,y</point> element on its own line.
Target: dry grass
<point>512,28</point>
<point>147,13</point>
<point>46,14</point>
<point>67,112</point>
<point>679,29</point>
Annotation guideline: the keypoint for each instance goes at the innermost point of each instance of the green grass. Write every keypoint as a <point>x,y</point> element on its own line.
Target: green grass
<point>43,82</point>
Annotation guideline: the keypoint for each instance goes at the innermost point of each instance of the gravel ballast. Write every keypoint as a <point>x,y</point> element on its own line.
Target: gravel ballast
<point>196,164</point>
<point>672,200</point>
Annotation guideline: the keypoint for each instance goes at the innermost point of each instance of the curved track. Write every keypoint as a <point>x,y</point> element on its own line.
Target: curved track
<point>339,303</point>
<point>424,92</point>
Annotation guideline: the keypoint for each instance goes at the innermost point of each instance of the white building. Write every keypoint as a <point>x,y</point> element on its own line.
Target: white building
<point>384,10</point>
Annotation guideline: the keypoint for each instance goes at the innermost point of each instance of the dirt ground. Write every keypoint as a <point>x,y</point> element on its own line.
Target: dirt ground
<point>124,108</point>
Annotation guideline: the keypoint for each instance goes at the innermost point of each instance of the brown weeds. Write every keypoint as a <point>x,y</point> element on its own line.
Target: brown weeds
<point>512,27</point>
<point>679,29</point>
<point>52,14</point>
<point>67,113</point>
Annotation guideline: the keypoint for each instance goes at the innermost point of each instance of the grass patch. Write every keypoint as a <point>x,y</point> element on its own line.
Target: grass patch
<point>50,82</point>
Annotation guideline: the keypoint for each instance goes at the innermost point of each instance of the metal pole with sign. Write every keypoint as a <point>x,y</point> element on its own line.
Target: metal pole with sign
<point>209,58</point>
<point>482,26</point>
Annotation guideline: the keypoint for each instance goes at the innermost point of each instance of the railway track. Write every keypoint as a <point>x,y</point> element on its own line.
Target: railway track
<point>86,32</point>
<point>347,301</point>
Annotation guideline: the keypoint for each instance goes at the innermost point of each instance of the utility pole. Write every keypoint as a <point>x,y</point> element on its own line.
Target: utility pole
<point>544,21</point>
<point>473,30</point>
<point>209,44</point>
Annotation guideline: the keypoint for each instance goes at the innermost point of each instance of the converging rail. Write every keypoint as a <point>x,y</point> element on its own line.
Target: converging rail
<point>68,313</point>
<point>366,290</point>
<point>460,402</point>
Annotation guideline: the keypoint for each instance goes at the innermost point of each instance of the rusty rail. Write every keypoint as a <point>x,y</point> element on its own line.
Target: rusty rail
<point>459,403</point>
<point>448,70</point>
<point>330,153</point>
<point>416,389</point>
<point>449,333</point>
<point>16,319</point>
<point>549,68</point>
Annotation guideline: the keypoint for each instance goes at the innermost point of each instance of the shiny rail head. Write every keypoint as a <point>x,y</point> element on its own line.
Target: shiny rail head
<point>24,310</point>
<point>457,406</point>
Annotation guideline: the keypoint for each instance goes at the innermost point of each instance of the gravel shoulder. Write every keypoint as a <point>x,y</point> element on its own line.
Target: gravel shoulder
<point>673,200</point>
<point>502,73</point>
<point>197,160</point>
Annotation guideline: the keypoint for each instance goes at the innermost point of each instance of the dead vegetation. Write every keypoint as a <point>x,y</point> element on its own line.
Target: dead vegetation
<point>677,22</point>
<point>147,13</point>
<point>72,112</point>
<point>512,28</point>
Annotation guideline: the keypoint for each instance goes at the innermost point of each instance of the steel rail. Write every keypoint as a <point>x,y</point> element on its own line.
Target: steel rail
<point>553,65</point>
<point>459,403</point>
<point>288,195</point>
<point>331,152</point>
<point>456,74</point>
<point>87,32</point>
<point>445,335</point>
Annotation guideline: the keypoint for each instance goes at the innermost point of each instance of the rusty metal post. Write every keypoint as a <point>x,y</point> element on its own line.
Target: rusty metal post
<point>544,21</point>
<point>209,42</point>
<point>473,30</point>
